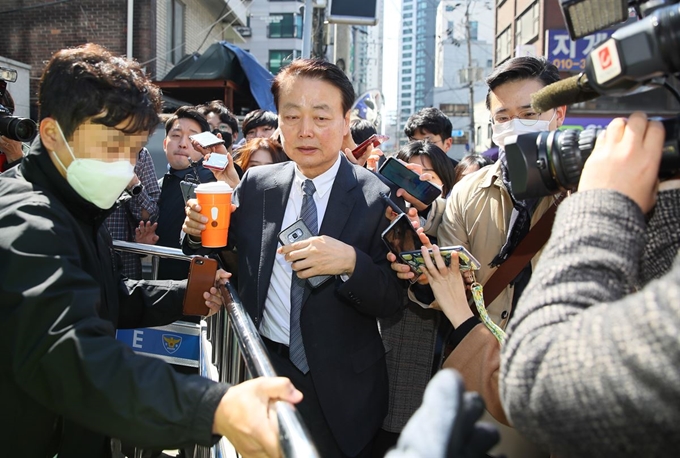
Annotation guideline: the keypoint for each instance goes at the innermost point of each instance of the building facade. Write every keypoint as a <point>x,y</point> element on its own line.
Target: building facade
<point>417,40</point>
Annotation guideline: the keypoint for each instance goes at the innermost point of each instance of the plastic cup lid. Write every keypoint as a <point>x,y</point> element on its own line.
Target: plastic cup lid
<point>216,187</point>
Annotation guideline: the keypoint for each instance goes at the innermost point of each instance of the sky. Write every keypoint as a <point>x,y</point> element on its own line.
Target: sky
<point>391,19</point>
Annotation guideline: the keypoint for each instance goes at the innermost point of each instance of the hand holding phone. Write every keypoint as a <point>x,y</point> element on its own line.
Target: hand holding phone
<point>374,140</point>
<point>297,232</point>
<point>201,278</point>
<point>400,237</point>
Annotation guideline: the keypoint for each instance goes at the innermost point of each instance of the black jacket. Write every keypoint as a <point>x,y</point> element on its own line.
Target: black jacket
<point>65,382</point>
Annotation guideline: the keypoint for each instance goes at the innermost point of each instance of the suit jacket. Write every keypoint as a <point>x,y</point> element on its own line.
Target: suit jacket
<point>338,319</point>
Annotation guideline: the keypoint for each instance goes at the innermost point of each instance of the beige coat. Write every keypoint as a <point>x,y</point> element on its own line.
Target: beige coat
<point>477,215</point>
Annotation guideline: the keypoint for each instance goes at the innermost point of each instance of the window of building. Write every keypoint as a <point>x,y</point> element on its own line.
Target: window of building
<point>290,26</point>
<point>449,29</point>
<point>408,23</point>
<point>176,31</point>
<point>406,87</point>
<point>407,47</point>
<point>408,15</point>
<point>455,109</point>
<point>526,25</point>
<point>279,58</point>
<point>405,71</point>
<point>503,46</point>
<point>406,79</point>
<point>420,78</point>
<point>474,28</point>
<point>420,86</point>
<point>407,63</point>
<point>405,103</point>
<point>407,39</point>
<point>408,31</point>
<point>407,55</point>
<point>406,95</point>
<point>408,7</point>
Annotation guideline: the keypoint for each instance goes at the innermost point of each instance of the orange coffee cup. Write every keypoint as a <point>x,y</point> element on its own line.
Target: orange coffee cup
<point>215,201</point>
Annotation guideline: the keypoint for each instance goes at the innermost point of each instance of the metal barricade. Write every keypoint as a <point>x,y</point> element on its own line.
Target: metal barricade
<point>236,353</point>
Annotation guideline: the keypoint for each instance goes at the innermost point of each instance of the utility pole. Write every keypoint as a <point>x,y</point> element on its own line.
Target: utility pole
<point>307,30</point>
<point>471,77</point>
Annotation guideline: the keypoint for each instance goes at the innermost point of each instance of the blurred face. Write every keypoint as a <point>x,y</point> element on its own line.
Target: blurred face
<point>260,132</point>
<point>425,167</point>
<point>312,124</point>
<point>469,169</point>
<point>177,145</point>
<point>260,157</point>
<point>99,142</point>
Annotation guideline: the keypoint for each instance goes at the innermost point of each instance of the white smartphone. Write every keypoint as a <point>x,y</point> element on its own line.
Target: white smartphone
<point>206,139</point>
<point>216,161</point>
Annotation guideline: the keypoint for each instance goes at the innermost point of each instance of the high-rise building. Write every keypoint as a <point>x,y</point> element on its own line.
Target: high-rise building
<point>416,59</point>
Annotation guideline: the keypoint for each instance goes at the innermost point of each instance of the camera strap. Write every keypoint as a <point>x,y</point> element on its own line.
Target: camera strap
<point>527,248</point>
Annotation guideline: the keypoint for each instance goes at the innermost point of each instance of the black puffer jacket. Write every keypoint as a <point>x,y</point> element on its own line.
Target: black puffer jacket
<point>65,382</point>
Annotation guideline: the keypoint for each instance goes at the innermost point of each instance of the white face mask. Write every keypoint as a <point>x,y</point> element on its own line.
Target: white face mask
<point>98,182</point>
<point>503,130</point>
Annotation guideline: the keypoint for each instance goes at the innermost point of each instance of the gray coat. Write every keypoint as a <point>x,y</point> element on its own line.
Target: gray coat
<point>590,366</point>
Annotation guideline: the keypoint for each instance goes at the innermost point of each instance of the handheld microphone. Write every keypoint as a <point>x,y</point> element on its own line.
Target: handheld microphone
<point>564,92</point>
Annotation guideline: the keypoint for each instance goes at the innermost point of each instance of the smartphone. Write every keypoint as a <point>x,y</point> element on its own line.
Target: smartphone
<point>374,140</point>
<point>188,190</point>
<point>410,181</point>
<point>216,161</point>
<point>400,237</point>
<point>201,278</point>
<point>294,233</point>
<point>206,139</point>
<point>466,261</point>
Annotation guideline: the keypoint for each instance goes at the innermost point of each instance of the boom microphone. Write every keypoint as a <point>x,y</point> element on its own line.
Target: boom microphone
<point>564,92</point>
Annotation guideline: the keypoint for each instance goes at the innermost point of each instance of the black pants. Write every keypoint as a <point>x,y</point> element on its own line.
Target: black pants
<point>309,407</point>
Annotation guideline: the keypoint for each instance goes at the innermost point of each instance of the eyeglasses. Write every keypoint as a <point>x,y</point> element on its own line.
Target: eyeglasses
<point>527,118</point>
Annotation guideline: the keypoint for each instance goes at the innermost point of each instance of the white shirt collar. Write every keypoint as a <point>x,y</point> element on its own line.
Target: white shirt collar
<point>323,183</point>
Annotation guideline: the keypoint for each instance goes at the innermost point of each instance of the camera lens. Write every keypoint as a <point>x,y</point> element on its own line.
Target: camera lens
<point>19,129</point>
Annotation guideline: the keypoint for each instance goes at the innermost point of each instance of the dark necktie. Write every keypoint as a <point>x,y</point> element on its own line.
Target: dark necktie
<point>297,285</point>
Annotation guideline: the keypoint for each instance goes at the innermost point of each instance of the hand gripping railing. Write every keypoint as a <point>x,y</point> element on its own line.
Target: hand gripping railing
<point>293,435</point>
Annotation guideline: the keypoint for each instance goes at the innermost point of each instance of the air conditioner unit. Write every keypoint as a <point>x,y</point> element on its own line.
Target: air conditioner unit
<point>244,31</point>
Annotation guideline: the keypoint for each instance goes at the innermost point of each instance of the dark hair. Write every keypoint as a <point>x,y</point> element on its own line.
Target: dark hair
<point>90,82</point>
<point>441,164</point>
<point>7,101</point>
<point>217,107</point>
<point>521,68</point>
<point>361,129</point>
<point>470,160</point>
<point>429,119</point>
<point>246,151</point>
<point>320,70</point>
<point>259,118</point>
<point>188,112</point>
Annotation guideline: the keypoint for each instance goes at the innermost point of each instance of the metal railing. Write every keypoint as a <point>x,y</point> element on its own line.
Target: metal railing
<point>236,352</point>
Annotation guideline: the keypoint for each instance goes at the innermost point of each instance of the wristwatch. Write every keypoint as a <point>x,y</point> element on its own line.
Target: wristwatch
<point>136,189</point>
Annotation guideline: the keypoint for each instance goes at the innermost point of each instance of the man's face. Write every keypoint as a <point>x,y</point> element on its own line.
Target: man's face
<point>513,100</point>
<point>312,123</point>
<point>425,135</point>
<point>103,143</point>
<point>216,123</point>
<point>260,132</point>
<point>177,144</point>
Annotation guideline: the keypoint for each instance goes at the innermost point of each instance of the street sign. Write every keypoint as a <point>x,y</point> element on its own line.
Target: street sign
<point>458,133</point>
<point>568,55</point>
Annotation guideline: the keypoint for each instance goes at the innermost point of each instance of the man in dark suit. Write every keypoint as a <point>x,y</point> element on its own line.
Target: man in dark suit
<point>340,366</point>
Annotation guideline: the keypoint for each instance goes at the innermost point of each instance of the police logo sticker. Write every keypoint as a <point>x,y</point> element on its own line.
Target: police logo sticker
<point>171,342</point>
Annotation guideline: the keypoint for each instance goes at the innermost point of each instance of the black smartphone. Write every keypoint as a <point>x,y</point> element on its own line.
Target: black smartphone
<point>400,236</point>
<point>188,190</point>
<point>466,261</point>
<point>294,233</point>
<point>374,140</point>
<point>410,181</point>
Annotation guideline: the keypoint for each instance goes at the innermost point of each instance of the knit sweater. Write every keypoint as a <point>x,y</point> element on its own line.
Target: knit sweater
<point>590,367</point>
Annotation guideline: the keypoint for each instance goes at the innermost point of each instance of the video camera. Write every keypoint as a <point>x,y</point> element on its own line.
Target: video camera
<point>638,56</point>
<point>13,127</point>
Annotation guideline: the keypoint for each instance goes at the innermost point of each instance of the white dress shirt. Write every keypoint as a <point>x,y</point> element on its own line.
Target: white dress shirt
<point>276,318</point>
